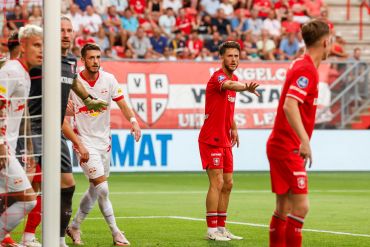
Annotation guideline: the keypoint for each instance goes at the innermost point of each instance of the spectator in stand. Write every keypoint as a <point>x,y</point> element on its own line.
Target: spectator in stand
<point>185,54</point>
<point>210,6</point>
<point>289,47</point>
<point>282,8</point>
<point>16,19</point>
<point>177,45</point>
<point>76,51</point>
<point>173,4</point>
<point>167,55</point>
<point>82,4</point>
<point>324,16</point>
<point>250,46</point>
<point>213,44</point>
<point>65,5</point>
<point>112,27</point>
<point>314,7</point>
<point>76,18</point>
<point>290,26</point>
<point>338,48</point>
<point>228,8</point>
<point>194,43</point>
<point>148,23</point>
<point>221,24</point>
<point>204,26</point>
<point>84,39</point>
<point>139,44</point>
<point>101,39</point>
<point>129,22</point>
<point>183,22</point>
<point>239,22</point>
<point>266,46</point>
<point>91,20</point>
<point>243,55</point>
<point>273,26</point>
<point>254,23</point>
<point>128,54</point>
<point>204,55</point>
<point>138,6</point>
<point>158,41</point>
<point>299,12</point>
<point>301,43</point>
<point>356,55</point>
<point>101,6</point>
<point>108,53</point>
<point>167,22</point>
<point>155,6</point>
<point>36,16</point>
<point>234,36</point>
<point>120,5</point>
<point>263,7</point>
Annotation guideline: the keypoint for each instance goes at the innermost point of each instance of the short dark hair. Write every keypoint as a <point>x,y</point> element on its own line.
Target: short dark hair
<point>89,47</point>
<point>228,45</point>
<point>13,41</point>
<point>313,31</point>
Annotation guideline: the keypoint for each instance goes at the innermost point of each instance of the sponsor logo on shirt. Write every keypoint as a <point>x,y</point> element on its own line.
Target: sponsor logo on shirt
<point>67,80</point>
<point>92,171</point>
<point>18,181</point>
<point>3,90</point>
<point>221,78</point>
<point>231,99</point>
<point>301,182</point>
<point>215,154</point>
<point>302,82</point>
<point>315,101</point>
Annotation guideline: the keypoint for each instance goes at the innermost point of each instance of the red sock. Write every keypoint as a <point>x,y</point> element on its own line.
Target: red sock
<point>293,233</point>
<point>34,217</point>
<point>212,219</point>
<point>221,218</point>
<point>277,231</point>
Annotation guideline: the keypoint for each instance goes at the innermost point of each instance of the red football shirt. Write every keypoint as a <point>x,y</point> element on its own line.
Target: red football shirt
<point>138,6</point>
<point>219,112</point>
<point>301,83</point>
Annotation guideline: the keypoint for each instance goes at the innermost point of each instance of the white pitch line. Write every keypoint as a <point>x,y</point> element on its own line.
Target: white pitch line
<point>234,192</point>
<point>233,223</point>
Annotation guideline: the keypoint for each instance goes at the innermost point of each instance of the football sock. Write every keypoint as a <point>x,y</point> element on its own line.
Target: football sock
<point>211,221</point>
<point>65,208</point>
<point>293,232</point>
<point>277,231</point>
<point>28,236</point>
<point>221,218</point>
<point>13,215</point>
<point>62,241</point>
<point>34,217</point>
<point>87,203</point>
<point>105,205</point>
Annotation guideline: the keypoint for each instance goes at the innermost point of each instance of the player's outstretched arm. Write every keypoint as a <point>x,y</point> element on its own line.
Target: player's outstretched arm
<point>91,102</point>
<point>293,116</point>
<point>240,86</point>
<point>77,144</point>
<point>130,116</point>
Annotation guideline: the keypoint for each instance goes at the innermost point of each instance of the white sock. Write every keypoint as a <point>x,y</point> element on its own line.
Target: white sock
<point>62,240</point>
<point>105,206</point>
<point>212,230</point>
<point>221,229</point>
<point>13,215</point>
<point>28,236</point>
<point>86,205</point>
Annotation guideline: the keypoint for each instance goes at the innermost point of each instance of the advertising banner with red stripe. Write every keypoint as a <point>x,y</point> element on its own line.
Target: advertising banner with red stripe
<point>171,95</point>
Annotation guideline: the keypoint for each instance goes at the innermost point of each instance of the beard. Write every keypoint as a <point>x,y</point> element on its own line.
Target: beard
<point>229,69</point>
<point>93,69</point>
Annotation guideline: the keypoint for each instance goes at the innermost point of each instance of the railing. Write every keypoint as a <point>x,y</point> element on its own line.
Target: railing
<point>350,94</point>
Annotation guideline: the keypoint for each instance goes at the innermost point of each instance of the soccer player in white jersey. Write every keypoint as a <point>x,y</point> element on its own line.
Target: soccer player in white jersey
<point>93,128</point>
<point>15,85</point>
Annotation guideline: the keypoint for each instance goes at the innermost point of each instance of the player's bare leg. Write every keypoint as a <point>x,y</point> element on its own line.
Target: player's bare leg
<point>223,205</point>
<point>278,221</point>
<point>295,219</point>
<point>98,191</point>
<point>216,183</point>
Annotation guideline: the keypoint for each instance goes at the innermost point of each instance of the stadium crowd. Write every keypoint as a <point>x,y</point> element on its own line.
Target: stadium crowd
<point>180,29</point>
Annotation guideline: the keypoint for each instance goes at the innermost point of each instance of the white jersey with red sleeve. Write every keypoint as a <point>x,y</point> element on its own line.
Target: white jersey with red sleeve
<point>93,127</point>
<point>15,84</point>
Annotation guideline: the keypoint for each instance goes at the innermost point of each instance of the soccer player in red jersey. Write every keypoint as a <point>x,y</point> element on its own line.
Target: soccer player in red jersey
<point>217,137</point>
<point>288,147</point>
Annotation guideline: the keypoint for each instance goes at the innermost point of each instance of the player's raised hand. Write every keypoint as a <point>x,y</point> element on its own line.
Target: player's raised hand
<point>234,137</point>
<point>305,153</point>
<point>252,88</point>
<point>95,104</point>
<point>136,131</point>
<point>3,156</point>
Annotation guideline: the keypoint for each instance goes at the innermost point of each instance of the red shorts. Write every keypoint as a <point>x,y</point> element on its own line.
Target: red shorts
<point>214,157</point>
<point>37,178</point>
<point>288,174</point>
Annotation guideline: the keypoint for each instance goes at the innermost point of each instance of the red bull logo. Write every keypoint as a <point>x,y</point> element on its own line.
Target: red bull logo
<point>92,113</point>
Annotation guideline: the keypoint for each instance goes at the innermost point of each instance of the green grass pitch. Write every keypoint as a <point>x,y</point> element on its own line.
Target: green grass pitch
<point>340,202</point>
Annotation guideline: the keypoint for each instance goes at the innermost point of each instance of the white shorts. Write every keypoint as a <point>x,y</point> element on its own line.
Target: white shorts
<point>98,164</point>
<point>13,178</point>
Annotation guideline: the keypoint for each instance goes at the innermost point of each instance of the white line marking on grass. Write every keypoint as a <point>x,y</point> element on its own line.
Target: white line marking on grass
<point>234,192</point>
<point>233,223</point>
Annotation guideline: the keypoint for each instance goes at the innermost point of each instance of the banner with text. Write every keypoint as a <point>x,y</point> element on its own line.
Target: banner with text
<point>171,95</point>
